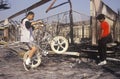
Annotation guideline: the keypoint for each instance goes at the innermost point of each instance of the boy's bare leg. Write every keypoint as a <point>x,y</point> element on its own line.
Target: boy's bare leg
<point>32,52</point>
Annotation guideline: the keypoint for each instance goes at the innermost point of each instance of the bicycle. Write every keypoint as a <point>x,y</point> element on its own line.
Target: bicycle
<point>45,40</point>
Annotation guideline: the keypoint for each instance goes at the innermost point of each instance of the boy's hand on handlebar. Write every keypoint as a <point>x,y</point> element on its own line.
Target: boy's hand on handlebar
<point>37,22</point>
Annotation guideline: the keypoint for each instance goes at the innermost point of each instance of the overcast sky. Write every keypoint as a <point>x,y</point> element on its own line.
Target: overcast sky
<point>82,6</point>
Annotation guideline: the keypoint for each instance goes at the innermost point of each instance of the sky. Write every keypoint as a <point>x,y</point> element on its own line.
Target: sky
<point>81,6</point>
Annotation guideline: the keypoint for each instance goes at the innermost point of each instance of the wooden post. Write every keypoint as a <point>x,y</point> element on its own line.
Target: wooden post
<point>83,31</point>
<point>94,10</point>
<point>71,22</point>
<point>92,22</point>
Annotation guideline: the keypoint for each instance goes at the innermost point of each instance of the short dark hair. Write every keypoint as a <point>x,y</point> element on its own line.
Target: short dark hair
<point>100,16</point>
<point>30,13</point>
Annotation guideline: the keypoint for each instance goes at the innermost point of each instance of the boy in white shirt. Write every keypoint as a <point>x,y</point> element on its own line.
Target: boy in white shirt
<point>27,36</point>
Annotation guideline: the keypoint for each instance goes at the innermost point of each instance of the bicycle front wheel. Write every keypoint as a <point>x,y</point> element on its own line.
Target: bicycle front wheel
<point>59,44</point>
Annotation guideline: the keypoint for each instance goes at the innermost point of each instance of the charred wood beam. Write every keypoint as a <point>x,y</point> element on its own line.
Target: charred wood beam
<point>55,6</point>
<point>50,6</point>
<point>38,4</point>
<point>29,8</point>
<point>59,5</point>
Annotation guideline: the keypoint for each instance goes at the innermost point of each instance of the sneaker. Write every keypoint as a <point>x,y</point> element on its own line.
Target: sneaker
<point>102,63</point>
<point>28,61</point>
<point>26,67</point>
<point>45,53</point>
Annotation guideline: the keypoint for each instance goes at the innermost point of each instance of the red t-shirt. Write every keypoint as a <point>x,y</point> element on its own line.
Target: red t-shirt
<point>105,29</point>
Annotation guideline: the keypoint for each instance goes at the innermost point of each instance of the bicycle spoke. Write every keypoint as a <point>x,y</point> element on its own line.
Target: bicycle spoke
<point>55,44</point>
<point>62,46</point>
<point>58,40</point>
<point>58,48</point>
<point>63,42</point>
<point>35,59</point>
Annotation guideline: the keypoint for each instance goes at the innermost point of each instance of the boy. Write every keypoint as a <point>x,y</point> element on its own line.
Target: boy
<point>103,38</point>
<point>27,37</point>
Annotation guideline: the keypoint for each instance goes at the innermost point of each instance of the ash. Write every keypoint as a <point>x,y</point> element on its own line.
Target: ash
<point>56,67</point>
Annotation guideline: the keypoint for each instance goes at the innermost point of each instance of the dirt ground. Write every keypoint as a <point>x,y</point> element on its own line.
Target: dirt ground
<point>55,67</point>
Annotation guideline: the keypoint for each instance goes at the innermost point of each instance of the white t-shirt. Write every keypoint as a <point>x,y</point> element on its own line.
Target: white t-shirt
<point>26,34</point>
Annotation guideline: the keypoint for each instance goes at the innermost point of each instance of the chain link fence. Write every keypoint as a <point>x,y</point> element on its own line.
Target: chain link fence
<point>59,24</point>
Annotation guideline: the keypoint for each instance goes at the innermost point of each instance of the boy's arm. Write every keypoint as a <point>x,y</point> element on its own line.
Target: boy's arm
<point>37,22</point>
<point>28,24</point>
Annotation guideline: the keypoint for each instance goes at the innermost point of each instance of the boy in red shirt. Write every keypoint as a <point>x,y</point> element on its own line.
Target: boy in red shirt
<point>103,38</point>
